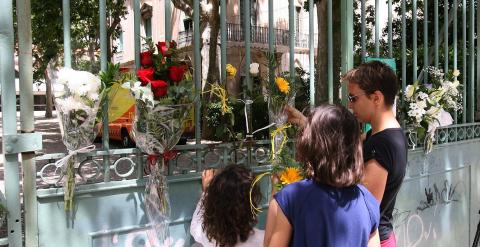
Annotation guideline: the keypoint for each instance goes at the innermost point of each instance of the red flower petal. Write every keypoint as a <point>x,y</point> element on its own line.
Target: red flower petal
<point>146,59</point>
<point>159,88</point>
<point>145,75</point>
<point>175,73</point>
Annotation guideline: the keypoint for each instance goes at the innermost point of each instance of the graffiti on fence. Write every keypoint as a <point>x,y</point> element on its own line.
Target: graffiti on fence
<point>418,225</point>
<point>445,195</point>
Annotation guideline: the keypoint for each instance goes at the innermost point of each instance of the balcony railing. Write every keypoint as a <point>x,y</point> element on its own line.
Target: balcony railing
<point>258,35</point>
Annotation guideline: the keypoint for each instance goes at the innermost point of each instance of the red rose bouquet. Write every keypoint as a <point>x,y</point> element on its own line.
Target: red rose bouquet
<point>164,95</point>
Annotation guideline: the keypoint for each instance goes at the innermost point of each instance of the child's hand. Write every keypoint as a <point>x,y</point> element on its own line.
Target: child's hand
<point>295,116</point>
<point>207,176</point>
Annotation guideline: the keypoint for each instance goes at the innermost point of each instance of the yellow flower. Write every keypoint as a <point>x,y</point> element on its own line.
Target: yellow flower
<point>290,175</point>
<point>231,71</point>
<point>282,85</point>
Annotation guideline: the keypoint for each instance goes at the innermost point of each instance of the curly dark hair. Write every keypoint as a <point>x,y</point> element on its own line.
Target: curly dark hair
<point>330,147</point>
<point>227,216</point>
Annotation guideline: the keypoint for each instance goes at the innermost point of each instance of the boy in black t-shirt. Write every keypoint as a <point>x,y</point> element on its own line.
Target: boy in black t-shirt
<point>372,89</point>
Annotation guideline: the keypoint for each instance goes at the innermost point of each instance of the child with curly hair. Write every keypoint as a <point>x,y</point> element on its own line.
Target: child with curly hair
<point>329,207</point>
<point>223,216</point>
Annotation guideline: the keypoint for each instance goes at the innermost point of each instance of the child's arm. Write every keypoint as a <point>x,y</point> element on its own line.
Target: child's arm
<point>374,240</point>
<point>278,230</point>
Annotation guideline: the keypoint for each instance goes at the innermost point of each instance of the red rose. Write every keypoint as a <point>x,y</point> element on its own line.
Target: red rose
<point>145,75</point>
<point>146,59</point>
<point>175,73</point>
<point>163,49</point>
<point>159,88</point>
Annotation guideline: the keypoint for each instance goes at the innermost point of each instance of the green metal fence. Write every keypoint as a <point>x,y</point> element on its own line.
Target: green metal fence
<point>109,206</point>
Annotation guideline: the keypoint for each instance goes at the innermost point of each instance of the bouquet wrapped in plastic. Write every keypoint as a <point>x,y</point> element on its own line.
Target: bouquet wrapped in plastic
<point>164,96</point>
<point>427,106</point>
<point>77,97</point>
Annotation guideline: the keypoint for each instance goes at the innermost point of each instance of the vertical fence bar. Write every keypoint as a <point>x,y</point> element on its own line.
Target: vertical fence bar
<point>445,35</point>
<point>311,50</point>
<point>247,30</point>
<point>330,51</point>
<point>363,33</point>
<point>291,27</point>
<point>223,41</point>
<point>478,62</point>
<point>414,19</point>
<point>197,74</point>
<point>426,63</point>
<point>9,123</point>
<point>136,31</point>
<point>454,30</point>
<point>103,66</point>
<point>404,54</point>
<point>271,39</point>
<point>27,119</point>
<point>67,50</point>
<point>471,116</point>
<point>377,28</point>
<point>168,20</point>
<point>435,24</point>
<point>248,41</point>
<point>390,45</point>
<point>464,60</point>
<point>347,42</point>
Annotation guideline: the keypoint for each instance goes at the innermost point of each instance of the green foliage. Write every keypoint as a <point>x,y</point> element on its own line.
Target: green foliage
<point>3,211</point>
<point>47,31</point>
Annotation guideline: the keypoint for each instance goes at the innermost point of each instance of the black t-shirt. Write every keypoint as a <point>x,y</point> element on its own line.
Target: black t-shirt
<point>389,148</point>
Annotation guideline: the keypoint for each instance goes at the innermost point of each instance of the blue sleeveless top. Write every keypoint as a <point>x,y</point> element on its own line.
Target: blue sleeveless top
<point>321,215</point>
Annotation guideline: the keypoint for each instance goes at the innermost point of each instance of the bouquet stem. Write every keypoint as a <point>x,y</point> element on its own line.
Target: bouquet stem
<point>70,184</point>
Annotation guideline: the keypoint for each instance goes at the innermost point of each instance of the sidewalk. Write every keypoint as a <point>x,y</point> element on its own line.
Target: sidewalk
<point>51,138</point>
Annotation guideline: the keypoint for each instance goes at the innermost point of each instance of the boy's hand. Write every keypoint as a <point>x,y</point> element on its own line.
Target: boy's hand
<point>207,176</point>
<point>295,116</point>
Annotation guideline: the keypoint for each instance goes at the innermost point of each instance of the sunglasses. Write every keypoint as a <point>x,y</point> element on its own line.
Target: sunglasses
<point>353,98</point>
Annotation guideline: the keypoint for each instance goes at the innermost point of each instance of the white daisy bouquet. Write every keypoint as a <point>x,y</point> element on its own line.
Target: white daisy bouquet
<point>77,95</point>
<point>427,106</point>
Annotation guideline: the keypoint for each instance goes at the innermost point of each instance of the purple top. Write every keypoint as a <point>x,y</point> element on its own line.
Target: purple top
<point>321,215</point>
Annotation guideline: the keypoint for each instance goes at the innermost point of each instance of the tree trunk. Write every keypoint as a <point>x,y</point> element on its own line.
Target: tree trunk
<point>48,92</point>
<point>213,73</point>
<point>337,49</point>
<point>321,66</point>
<point>91,53</point>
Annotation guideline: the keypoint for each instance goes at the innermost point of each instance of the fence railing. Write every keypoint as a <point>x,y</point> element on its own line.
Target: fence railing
<point>258,35</point>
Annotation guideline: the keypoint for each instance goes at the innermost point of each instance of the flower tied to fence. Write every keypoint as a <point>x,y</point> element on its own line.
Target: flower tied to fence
<point>275,133</point>
<point>67,165</point>
<point>428,105</point>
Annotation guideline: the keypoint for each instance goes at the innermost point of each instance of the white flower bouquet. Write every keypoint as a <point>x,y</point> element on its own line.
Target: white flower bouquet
<point>427,106</point>
<point>77,96</point>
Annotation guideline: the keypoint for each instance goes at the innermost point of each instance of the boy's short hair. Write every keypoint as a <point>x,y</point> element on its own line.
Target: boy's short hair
<point>375,76</point>
<point>330,147</point>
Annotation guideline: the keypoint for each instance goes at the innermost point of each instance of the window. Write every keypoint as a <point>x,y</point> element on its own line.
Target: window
<point>146,11</point>
<point>253,12</point>
<point>147,25</point>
